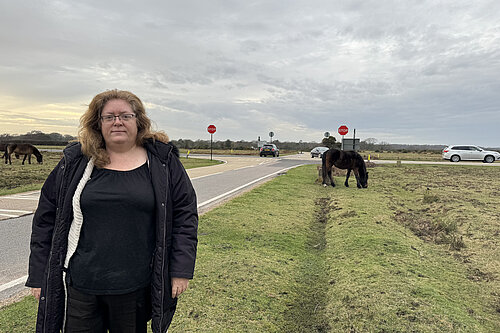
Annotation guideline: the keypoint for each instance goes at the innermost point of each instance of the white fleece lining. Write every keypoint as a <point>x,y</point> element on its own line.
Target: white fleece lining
<point>75,228</point>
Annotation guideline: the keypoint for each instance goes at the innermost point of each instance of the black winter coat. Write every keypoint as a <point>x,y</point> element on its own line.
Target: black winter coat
<point>176,233</point>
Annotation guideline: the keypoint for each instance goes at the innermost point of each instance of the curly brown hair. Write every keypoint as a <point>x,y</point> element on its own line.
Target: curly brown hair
<point>89,132</point>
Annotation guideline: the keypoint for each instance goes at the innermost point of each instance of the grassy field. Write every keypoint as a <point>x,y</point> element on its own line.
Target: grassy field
<point>18,178</point>
<point>385,155</point>
<point>418,251</point>
<point>404,156</point>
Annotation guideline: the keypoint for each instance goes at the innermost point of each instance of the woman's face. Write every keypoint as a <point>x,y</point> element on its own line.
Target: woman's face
<point>118,130</point>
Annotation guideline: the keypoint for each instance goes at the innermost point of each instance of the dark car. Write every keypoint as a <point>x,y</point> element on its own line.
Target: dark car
<point>269,149</point>
<point>318,151</point>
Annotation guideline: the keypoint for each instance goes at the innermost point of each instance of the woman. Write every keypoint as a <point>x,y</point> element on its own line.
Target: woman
<point>114,236</point>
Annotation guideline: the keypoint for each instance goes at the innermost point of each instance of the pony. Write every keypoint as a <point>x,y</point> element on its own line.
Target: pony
<point>25,149</point>
<point>349,160</point>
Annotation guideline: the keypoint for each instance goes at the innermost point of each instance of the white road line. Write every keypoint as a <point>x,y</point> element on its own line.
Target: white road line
<point>243,186</point>
<point>206,175</point>
<point>24,278</point>
<point>9,215</point>
<point>248,166</point>
<point>15,210</point>
<point>21,198</point>
<point>14,283</point>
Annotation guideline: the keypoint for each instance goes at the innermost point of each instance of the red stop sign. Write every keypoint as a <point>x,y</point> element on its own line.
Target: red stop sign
<point>343,130</point>
<point>211,129</point>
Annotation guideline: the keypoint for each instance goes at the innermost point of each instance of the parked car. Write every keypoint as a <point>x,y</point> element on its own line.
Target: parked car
<point>318,151</point>
<point>269,149</point>
<point>470,153</point>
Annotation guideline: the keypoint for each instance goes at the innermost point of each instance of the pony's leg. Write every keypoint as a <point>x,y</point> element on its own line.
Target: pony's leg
<point>356,174</point>
<point>24,159</point>
<point>323,171</point>
<point>330,167</point>
<point>327,172</point>
<point>29,158</point>
<point>347,178</point>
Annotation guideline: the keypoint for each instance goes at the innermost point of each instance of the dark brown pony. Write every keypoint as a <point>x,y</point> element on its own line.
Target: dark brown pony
<point>349,160</point>
<point>25,149</point>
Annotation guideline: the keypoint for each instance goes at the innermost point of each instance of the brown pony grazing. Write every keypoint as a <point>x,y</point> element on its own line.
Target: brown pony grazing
<point>349,160</point>
<point>25,149</point>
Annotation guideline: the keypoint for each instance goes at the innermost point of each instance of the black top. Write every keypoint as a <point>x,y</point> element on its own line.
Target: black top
<point>117,238</point>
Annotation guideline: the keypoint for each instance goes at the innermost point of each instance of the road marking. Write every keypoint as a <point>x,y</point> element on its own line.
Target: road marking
<point>243,186</point>
<point>248,166</point>
<point>14,283</point>
<point>21,198</point>
<point>15,210</point>
<point>206,175</point>
<point>9,215</point>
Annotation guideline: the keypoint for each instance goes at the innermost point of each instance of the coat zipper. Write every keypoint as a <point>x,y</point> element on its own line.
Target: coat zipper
<point>164,240</point>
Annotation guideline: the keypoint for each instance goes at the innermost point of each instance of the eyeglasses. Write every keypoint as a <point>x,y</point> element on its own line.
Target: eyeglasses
<point>110,118</point>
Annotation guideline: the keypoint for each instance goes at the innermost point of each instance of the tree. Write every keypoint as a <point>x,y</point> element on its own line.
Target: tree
<point>330,142</point>
<point>368,144</point>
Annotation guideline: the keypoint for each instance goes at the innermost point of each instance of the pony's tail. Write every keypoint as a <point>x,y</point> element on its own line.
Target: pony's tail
<point>323,166</point>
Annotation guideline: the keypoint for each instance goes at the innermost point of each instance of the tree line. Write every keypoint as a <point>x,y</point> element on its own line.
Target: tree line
<point>38,138</point>
<point>57,139</point>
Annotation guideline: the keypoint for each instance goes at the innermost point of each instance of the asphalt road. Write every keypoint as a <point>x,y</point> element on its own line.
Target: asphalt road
<point>211,189</point>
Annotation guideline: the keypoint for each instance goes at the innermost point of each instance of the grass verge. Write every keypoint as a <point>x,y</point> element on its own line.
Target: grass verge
<point>292,256</point>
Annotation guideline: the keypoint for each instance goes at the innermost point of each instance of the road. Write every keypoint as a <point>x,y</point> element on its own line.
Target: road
<point>213,185</point>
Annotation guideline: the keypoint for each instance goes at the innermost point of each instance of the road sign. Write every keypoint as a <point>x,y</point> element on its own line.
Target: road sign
<point>349,144</point>
<point>271,134</point>
<point>327,134</point>
<point>343,130</point>
<point>211,129</point>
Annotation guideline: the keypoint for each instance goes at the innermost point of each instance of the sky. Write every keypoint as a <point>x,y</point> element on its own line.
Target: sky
<point>411,72</point>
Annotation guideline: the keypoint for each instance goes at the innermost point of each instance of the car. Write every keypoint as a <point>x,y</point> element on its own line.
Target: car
<point>269,149</point>
<point>456,153</point>
<point>318,151</point>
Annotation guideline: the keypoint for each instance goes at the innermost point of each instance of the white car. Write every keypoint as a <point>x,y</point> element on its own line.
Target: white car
<point>318,151</point>
<point>470,153</point>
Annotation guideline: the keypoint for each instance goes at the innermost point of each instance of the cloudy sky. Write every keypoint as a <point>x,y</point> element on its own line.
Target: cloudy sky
<point>413,71</point>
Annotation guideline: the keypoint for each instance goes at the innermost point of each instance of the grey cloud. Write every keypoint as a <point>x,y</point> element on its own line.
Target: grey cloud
<point>389,68</point>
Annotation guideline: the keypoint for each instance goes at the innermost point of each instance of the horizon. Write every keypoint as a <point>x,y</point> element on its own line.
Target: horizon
<point>274,140</point>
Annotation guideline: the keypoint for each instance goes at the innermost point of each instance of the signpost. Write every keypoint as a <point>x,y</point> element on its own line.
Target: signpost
<point>271,134</point>
<point>211,129</point>
<point>343,130</point>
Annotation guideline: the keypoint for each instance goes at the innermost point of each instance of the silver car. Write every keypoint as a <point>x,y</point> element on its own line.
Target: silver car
<point>470,153</point>
<point>318,151</point>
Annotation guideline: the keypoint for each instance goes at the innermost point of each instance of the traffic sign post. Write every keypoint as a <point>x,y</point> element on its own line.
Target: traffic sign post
<point>271,134</point>
<point>343,130</point>
<point>211,129</point>
<point>354,140</point>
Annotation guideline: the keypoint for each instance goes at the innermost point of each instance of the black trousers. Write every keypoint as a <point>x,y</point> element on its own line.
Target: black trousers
<point>128,313</point>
